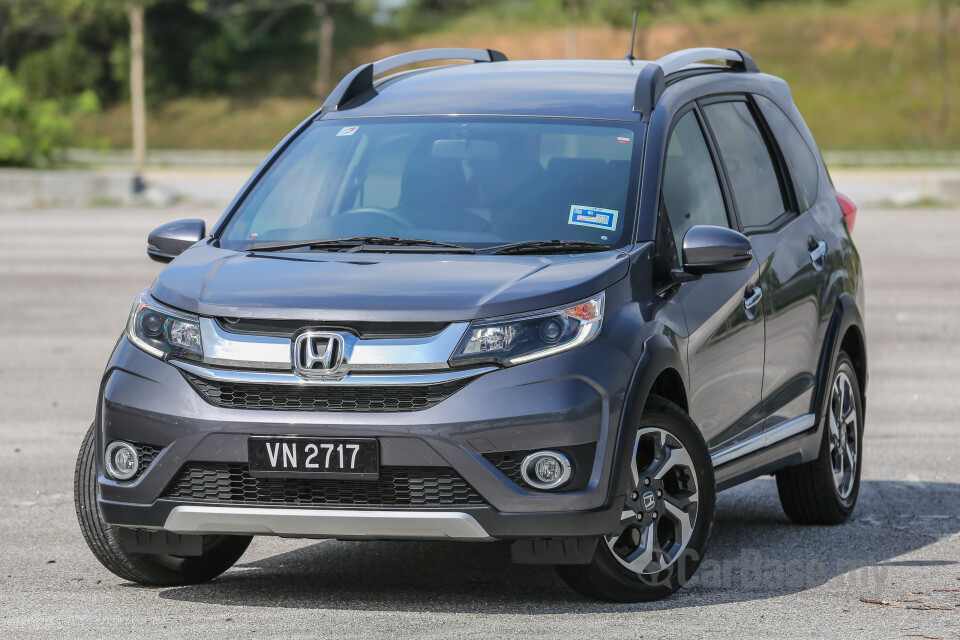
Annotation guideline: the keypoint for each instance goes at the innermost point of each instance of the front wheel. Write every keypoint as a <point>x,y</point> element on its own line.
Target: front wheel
<point>219,552</point>
<point>667,517</point>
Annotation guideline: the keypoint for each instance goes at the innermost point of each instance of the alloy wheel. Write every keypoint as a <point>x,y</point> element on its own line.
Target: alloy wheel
<point>660,511</point>
<point>844,442</point>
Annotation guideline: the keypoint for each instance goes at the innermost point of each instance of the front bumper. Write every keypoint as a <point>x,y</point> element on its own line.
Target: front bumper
<point>571,401</point>
<point>324,523</point>
<point>470,524</point>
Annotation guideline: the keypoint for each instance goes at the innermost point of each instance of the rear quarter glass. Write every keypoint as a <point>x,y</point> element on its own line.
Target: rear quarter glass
<point>472,181</point>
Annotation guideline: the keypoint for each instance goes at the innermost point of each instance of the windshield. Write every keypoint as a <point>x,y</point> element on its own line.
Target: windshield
<point>476,182</point>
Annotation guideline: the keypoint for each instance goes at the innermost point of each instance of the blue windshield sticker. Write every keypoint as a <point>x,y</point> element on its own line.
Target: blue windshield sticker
<point>593,217</point>
<point>347,131</point>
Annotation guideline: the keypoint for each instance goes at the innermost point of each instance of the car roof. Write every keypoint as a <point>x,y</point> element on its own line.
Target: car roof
<point>600,89</point>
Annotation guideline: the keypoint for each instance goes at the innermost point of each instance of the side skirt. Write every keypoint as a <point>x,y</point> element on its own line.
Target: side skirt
<point>793,442</point>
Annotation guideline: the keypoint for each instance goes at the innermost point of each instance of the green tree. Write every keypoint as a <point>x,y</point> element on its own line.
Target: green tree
<point>33,131</point>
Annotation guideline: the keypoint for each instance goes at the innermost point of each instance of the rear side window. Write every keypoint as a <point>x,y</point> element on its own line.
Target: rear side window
<point>753,176</point>
<point>691,190</point>
<point>800,160</point>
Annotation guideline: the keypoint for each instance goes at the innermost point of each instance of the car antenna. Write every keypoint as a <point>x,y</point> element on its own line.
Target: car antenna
<point>633,35</point>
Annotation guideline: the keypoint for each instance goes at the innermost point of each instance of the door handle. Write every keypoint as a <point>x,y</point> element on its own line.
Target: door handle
<point>750,304</point>
<point>817,254</point>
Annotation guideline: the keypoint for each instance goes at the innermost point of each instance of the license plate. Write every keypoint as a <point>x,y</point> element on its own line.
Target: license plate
<point>307,457</point>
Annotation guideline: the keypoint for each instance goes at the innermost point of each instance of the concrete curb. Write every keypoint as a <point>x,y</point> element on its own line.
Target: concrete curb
<point>36,188</point>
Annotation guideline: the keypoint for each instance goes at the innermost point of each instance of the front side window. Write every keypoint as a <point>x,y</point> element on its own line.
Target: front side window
<point>475,182</point>
<point>691,189</point>
<point>753,176</point>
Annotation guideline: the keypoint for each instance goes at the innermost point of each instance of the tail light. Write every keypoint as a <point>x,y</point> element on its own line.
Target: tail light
<point>849,210</point>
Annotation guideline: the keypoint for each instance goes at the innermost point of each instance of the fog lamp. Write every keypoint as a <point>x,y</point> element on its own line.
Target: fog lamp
<point>121,460</point>
<point>546,469</point>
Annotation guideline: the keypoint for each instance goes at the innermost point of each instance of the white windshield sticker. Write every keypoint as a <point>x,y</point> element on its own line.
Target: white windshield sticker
<point>348,131</point>
<point>593,217</point>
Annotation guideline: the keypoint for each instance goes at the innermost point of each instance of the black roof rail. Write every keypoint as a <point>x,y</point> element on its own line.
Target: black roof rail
<point>361,78</point>
<point>651,81</point>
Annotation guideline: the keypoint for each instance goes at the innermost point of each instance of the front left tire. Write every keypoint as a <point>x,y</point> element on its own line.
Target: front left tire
<point>219,552</point>
<point>667,516</point>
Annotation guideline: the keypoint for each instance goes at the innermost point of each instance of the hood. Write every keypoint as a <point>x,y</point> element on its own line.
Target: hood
<point>325,286</point>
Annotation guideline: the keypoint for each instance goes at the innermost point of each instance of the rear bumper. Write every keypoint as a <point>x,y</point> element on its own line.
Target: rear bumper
<point>570,402</point>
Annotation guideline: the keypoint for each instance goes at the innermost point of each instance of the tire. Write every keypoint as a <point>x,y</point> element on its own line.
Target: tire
<point>607,576</point>
<point>809,492</point>
<point>219,552</point>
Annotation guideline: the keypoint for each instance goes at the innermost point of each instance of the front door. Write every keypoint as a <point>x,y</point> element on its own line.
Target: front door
<point>723,312</point>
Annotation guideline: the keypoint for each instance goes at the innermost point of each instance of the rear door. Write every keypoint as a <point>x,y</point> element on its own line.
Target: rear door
<point>725,329</point>
<point>788,244</point>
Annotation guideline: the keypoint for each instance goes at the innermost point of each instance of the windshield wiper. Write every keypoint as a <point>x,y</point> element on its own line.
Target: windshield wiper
<point>362,243</point>
<point>548,246</point>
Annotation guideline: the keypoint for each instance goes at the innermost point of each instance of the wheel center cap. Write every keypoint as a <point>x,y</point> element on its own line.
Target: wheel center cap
<point>648,500</point>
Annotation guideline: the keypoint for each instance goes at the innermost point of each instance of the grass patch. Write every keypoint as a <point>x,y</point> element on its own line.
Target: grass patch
<point>863,72</point>
<point>194,123</point>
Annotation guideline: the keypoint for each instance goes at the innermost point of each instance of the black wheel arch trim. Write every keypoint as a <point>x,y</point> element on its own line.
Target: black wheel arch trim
<point>846,316</point>
<point>658,356</point>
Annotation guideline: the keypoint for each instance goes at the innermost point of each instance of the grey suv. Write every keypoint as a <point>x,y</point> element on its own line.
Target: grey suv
<point>554,303</point>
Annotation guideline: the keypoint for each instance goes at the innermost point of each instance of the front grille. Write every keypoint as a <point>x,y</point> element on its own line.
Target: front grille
<point>508,462</point>
<point>363,329</point>
<point>396,487</point>
<point>146,454</point>
<point>382,398</point>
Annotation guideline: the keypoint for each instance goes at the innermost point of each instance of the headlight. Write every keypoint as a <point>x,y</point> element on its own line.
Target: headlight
<point>522,338</point>
<point>164,332</point>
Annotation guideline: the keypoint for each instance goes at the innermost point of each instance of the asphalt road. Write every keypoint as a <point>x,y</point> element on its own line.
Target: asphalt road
<point>68,278</point>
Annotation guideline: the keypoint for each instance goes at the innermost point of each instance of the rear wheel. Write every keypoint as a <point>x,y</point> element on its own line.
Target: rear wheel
<point>219,552</point>
<point>666,518</point>
<point>825,490</point>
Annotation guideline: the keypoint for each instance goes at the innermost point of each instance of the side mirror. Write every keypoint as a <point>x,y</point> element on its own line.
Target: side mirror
<point>168,241</point>
<point>709,249</point>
